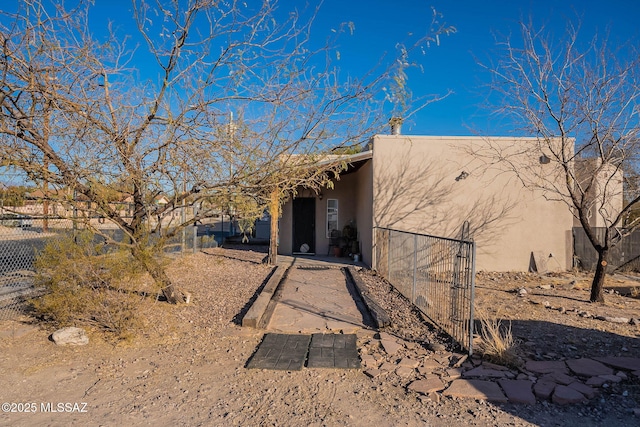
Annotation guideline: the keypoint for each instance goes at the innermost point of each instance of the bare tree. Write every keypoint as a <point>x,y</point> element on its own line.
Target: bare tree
<point>580,99</point>
<point>80,112</point>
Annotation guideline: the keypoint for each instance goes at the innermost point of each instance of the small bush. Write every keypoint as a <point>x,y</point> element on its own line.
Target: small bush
<point>86,283</point>
<point>497,343</point>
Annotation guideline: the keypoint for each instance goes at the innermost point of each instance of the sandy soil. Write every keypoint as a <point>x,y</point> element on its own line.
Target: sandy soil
<point>187,366</point>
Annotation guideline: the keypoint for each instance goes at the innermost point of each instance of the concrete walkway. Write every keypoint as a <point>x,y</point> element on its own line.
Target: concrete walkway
<point>315,298</point>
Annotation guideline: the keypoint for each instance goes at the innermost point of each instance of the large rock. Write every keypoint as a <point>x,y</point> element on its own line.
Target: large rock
<point>588,367</point>
<point>476,389</point>
<point>563,395</point>
<point>518,391</point>
<point>70,336</point>
<point>427,386</point>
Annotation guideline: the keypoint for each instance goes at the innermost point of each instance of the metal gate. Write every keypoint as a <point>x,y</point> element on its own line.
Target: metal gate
<point>437,274</point>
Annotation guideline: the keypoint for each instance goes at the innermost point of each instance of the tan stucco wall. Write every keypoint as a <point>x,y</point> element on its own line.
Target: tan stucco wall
<point>364,209</point>
<point>432,185</point>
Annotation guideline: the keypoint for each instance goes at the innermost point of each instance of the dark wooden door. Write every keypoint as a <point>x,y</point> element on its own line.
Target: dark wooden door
<point>304,225</point>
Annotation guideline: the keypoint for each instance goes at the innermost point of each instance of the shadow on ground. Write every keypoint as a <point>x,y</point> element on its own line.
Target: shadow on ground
<point>613,404</point>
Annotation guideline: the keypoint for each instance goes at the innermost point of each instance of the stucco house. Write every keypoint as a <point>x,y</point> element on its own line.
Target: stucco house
<point>432,185</point>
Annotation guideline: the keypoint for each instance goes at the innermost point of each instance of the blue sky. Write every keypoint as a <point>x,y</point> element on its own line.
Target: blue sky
<point>380,24</point>
<point>452,65</point>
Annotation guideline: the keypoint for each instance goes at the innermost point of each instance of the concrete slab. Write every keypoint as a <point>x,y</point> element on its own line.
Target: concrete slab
<point>281,352</point>
<point>315,300</point>
<point>254,316</point>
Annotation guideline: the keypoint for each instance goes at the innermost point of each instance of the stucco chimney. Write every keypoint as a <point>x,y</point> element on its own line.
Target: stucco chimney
<point>396,125</point>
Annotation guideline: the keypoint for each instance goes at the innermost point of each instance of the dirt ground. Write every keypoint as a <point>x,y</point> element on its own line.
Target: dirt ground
<point>187,367</point>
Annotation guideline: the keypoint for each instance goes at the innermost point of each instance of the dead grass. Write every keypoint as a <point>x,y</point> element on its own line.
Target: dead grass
<point>497,343</point>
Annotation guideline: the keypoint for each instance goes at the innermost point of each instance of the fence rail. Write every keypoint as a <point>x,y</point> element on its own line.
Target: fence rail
<point>625,255</point>
<point>436,274</point>
<point>22,238</point>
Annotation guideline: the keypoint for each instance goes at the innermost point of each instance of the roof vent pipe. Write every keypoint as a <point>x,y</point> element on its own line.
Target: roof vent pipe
<point>396,125</point>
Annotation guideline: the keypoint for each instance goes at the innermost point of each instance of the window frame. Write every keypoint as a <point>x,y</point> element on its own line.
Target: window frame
<point>331,212</point>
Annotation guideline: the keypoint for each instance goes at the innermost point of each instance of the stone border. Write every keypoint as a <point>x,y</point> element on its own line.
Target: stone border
<point>379,315</point>
<point>260,312</point>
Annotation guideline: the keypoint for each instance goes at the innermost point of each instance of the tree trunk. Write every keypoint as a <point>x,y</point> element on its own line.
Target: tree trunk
<point>155,269</point>
<point>598,279</point>
<point>274,212</point>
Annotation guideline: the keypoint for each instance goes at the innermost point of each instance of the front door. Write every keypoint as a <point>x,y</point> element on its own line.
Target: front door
<point>304,225</point>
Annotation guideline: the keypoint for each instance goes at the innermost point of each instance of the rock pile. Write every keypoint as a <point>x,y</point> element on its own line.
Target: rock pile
<point>444,373</point>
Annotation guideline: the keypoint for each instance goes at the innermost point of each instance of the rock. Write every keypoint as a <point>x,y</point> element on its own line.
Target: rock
<point>408,363</point>
<point>454,373</point>
<point>518,391</point>
<point>628,363</point>
<point>544,388</point>
<point>563,395</point>
<point>588,392</point>
<point>368,360</point>
<point>588,367</point>
<point>634,321</point>
<point>596,381</point>
<point>545,367</point>
<point>482,372</point>
<point>615,319</point>
<point>522,292</point>
<point>70,336</point>
<point>476,389</point>
<point>390,344</point>
<point>611,378</point>
<point>434,346</point>
<point>374,373</point>
<point>559,378</point>
<point>426,386</point>
<point>404,371</point>
<point>460,361</point>
<point>429,365</point>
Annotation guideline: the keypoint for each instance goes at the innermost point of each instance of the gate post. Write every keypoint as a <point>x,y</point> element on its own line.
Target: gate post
<point>415,268</point>
<point>389,258</point>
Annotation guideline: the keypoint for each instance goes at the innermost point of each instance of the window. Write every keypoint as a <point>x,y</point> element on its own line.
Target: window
<point>332,216</point>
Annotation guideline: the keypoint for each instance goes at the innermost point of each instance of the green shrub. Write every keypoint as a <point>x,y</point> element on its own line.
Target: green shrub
<point>85,282</point>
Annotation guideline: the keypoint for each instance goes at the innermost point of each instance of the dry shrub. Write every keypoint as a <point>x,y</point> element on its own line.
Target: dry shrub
<point>85,282</point>
<point>497,343</point>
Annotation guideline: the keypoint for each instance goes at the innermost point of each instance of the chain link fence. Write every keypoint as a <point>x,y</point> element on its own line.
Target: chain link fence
<point>436,274</point>
<point>22,237</point>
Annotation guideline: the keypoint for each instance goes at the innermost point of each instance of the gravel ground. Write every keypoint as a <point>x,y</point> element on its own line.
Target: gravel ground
<point>187,367</point>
